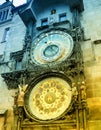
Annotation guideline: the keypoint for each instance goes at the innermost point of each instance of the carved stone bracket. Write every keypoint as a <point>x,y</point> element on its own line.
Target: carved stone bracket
<point>14,78</point>
<point>16,55</point>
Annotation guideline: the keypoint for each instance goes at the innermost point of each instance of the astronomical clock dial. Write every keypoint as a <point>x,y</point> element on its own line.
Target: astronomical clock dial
<point>49,99</point>
<point>54,46</point>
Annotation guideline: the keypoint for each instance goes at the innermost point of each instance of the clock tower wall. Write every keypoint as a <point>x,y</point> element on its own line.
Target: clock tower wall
<point>91,47</point>
<point>46,18</point>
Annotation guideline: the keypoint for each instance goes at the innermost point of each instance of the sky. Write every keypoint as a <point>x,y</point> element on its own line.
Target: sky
<point>15,2</point>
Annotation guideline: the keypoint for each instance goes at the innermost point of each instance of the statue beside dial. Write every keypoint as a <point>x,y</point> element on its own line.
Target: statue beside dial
<point>54,46</point>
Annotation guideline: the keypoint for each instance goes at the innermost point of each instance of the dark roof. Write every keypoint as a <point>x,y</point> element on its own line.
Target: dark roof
<point>21,7</point>
<point>14,9</point>
<point>7,3</point>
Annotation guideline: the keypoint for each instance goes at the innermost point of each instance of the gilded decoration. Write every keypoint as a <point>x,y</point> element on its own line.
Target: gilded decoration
<point>50,98</point>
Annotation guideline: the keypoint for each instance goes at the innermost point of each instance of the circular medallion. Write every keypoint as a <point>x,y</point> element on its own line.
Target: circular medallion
<point>54,46</point>
<point>51,50</point>
<point>49,98</point>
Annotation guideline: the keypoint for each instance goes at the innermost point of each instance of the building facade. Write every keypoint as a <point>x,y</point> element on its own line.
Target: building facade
<point>50,74</point>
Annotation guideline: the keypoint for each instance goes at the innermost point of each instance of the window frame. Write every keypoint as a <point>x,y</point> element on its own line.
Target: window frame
<point>18,64</point>
<point>5,14</point>
<point>62,17</point>
<point>6,34</point>
<point>44,22</point>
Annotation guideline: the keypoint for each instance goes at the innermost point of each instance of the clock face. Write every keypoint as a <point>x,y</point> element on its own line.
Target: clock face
<point>49,99</point>
<point>54,46</point>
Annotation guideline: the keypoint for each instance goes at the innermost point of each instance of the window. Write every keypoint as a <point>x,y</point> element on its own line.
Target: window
<point>44,22</point>
<point>62,17</point>
<point>6,34</point>
<point>18,65</point>
<point>16,58</point>
<point>0,15</point>
<point>4,15</point>
<point>1,58</point>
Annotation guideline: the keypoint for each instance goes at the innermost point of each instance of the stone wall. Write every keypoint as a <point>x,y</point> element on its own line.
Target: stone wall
<point>91,22</point>
<point>14,43</point>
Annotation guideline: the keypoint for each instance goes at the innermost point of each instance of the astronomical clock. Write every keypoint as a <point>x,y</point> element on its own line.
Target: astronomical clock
<point>50,95</point>
<point>51,47</point>
<point>48,70</point>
